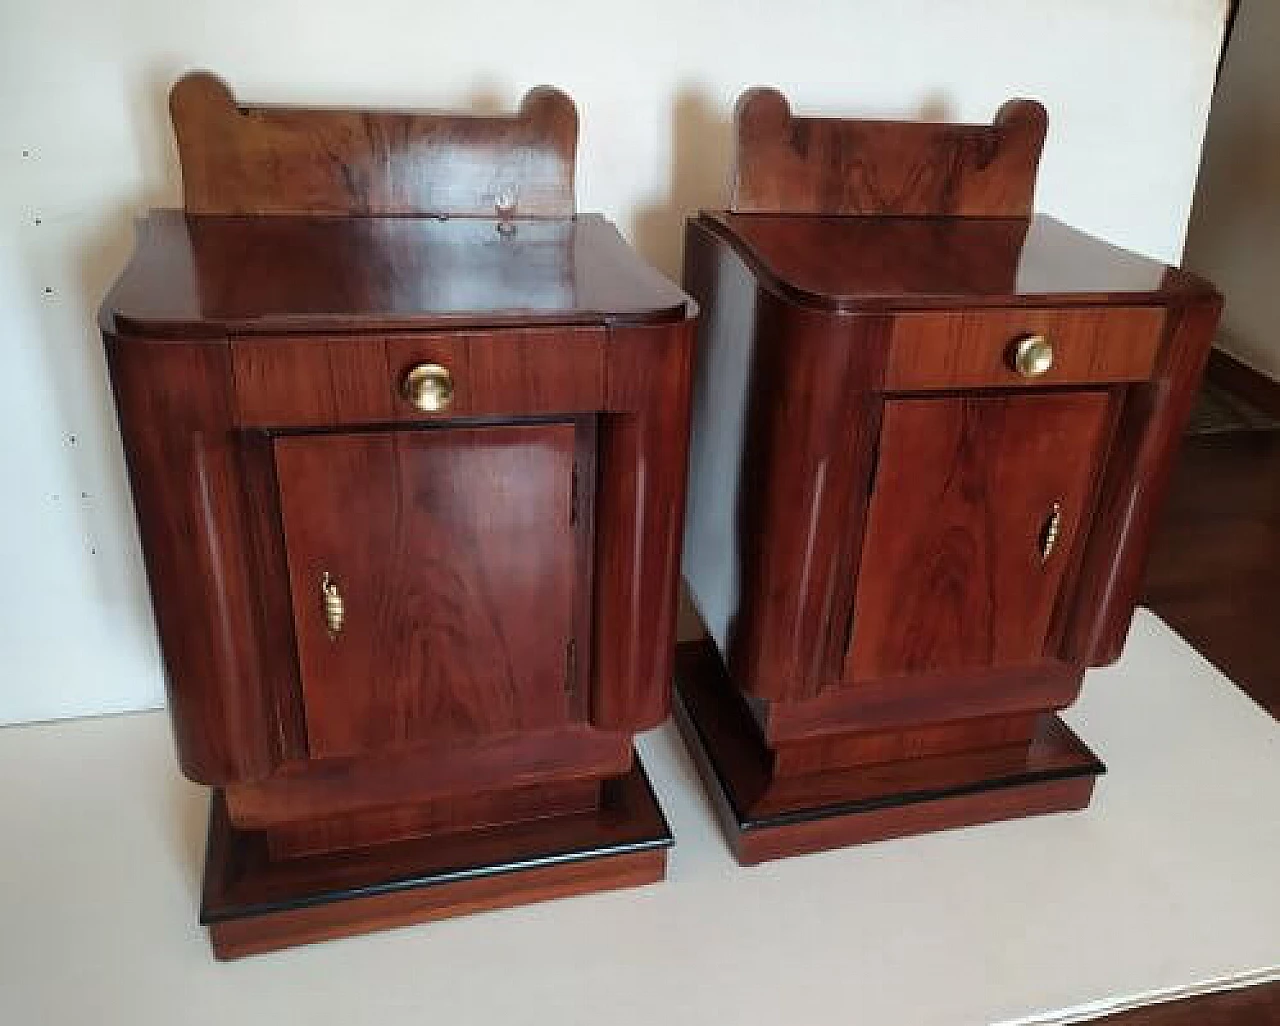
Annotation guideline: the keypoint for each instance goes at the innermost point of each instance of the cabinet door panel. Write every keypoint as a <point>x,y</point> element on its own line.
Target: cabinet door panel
<point>453,553</point>
<point>953,574</point>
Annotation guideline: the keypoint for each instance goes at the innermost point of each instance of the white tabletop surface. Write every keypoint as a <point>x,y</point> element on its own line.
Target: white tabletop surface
<point>1168,880</point>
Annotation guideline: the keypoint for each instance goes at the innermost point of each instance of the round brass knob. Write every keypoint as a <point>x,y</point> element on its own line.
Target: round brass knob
<point>428,386</point>
<point>1032,356</point>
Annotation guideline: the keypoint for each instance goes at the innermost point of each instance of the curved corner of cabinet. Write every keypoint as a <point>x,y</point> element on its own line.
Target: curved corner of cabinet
<point>642,462</point>
<point>175,408</point>
<point>1139,468</point>
<point>780,461</point>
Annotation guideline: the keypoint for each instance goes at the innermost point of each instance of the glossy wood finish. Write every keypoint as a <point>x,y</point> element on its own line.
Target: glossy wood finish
<point>952,575</point>
<point>769,814</point>
<point>872,484</point>
<point>442,544</point>
<point>214,276</point>
<point>506,563</point>
<point>290,160</point>
<point>922,699</point>
<point>175,411</point>
<point>973,349</point>
<point>1134,486</point>
<point>797,758</point>
<point>291,381</point>
<point>639,518</point>
<point>1248,1006</point>
<point>322,789</point>
<point>801,165</point>
<point>943,263</point>
<point>373,826</point>
<point>254,904</point>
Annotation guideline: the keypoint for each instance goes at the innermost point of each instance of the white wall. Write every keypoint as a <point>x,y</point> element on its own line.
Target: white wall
<point>1235,228</point>
<point>85,145</point>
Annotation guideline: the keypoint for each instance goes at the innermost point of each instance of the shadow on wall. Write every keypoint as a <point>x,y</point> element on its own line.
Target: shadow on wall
<point>701,159</point>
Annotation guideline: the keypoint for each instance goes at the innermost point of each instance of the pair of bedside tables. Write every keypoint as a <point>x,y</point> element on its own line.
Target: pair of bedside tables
<point>408,440</point>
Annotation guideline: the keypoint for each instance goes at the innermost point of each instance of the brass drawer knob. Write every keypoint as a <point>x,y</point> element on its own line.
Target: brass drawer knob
<point>1032,356</point>
<point>428,386</point>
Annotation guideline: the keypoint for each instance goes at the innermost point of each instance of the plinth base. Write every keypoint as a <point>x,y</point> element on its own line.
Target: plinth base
<point>253,904</point>
<point>769,817</point>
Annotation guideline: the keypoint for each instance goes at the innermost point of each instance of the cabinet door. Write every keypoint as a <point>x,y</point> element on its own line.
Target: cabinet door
<point>455,560</point>
<point>976,508</point>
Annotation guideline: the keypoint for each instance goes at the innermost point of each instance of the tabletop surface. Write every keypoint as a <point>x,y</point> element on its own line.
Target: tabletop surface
<point>891,262</point>
<point>211,275</point>
<point>1167,881</point>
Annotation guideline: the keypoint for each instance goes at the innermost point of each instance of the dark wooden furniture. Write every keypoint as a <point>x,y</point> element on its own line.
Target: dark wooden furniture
<point>931,433</point>
<point>407,440</point>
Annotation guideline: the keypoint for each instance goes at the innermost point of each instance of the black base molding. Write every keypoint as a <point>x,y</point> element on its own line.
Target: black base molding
<point>253,904</point>
<point>767,818</point>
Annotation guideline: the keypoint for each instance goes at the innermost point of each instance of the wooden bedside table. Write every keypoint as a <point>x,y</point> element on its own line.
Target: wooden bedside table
<point>407,439</point>
<point>930,435</point>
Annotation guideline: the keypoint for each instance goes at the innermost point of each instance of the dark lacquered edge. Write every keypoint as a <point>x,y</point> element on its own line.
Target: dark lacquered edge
<point>1093,767</point>
<point>1196,287</point>
<point>567,856</point>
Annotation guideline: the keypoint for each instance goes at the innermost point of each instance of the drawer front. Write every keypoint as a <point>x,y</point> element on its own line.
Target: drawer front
<point>328,381</point>
<point>978,348</point>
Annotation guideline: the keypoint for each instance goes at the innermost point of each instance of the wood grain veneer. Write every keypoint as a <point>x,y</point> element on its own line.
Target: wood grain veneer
<point>972,349</point>
<point>905,553</point>
<point>806,165</point>
<point>292,160</point>
<point>408,647</point>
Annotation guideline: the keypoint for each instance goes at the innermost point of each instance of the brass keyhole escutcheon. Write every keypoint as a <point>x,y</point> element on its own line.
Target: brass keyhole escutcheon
<point>1050,531</point>
<point>335,611</point>
<point>428,386</point>
<point>1032,356</point>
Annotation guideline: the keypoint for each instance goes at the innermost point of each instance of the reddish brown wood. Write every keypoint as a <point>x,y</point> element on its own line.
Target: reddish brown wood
<point>872,484</point>
<point>769,815</point>
<point>326,382</point>
<point>441,543</point>
<point>639,515</point>
<point>254,904</point>
<point>278,652</point>
<point>972,349</point>
<point>796,758</point>
<point>922,699</point>
<point>175,409</point>
<point>779,443</point>
<point>838,166</point>
<point>316,789</point>
<point>292,160</point>
<point>507,565</point>
<point>943,263</point>
<point>241,938</point>
<point>952,575</point>
<point>202,276</point>
<point>1137,477</point>
<point>1257,1005</point>
<point>371,826</point>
